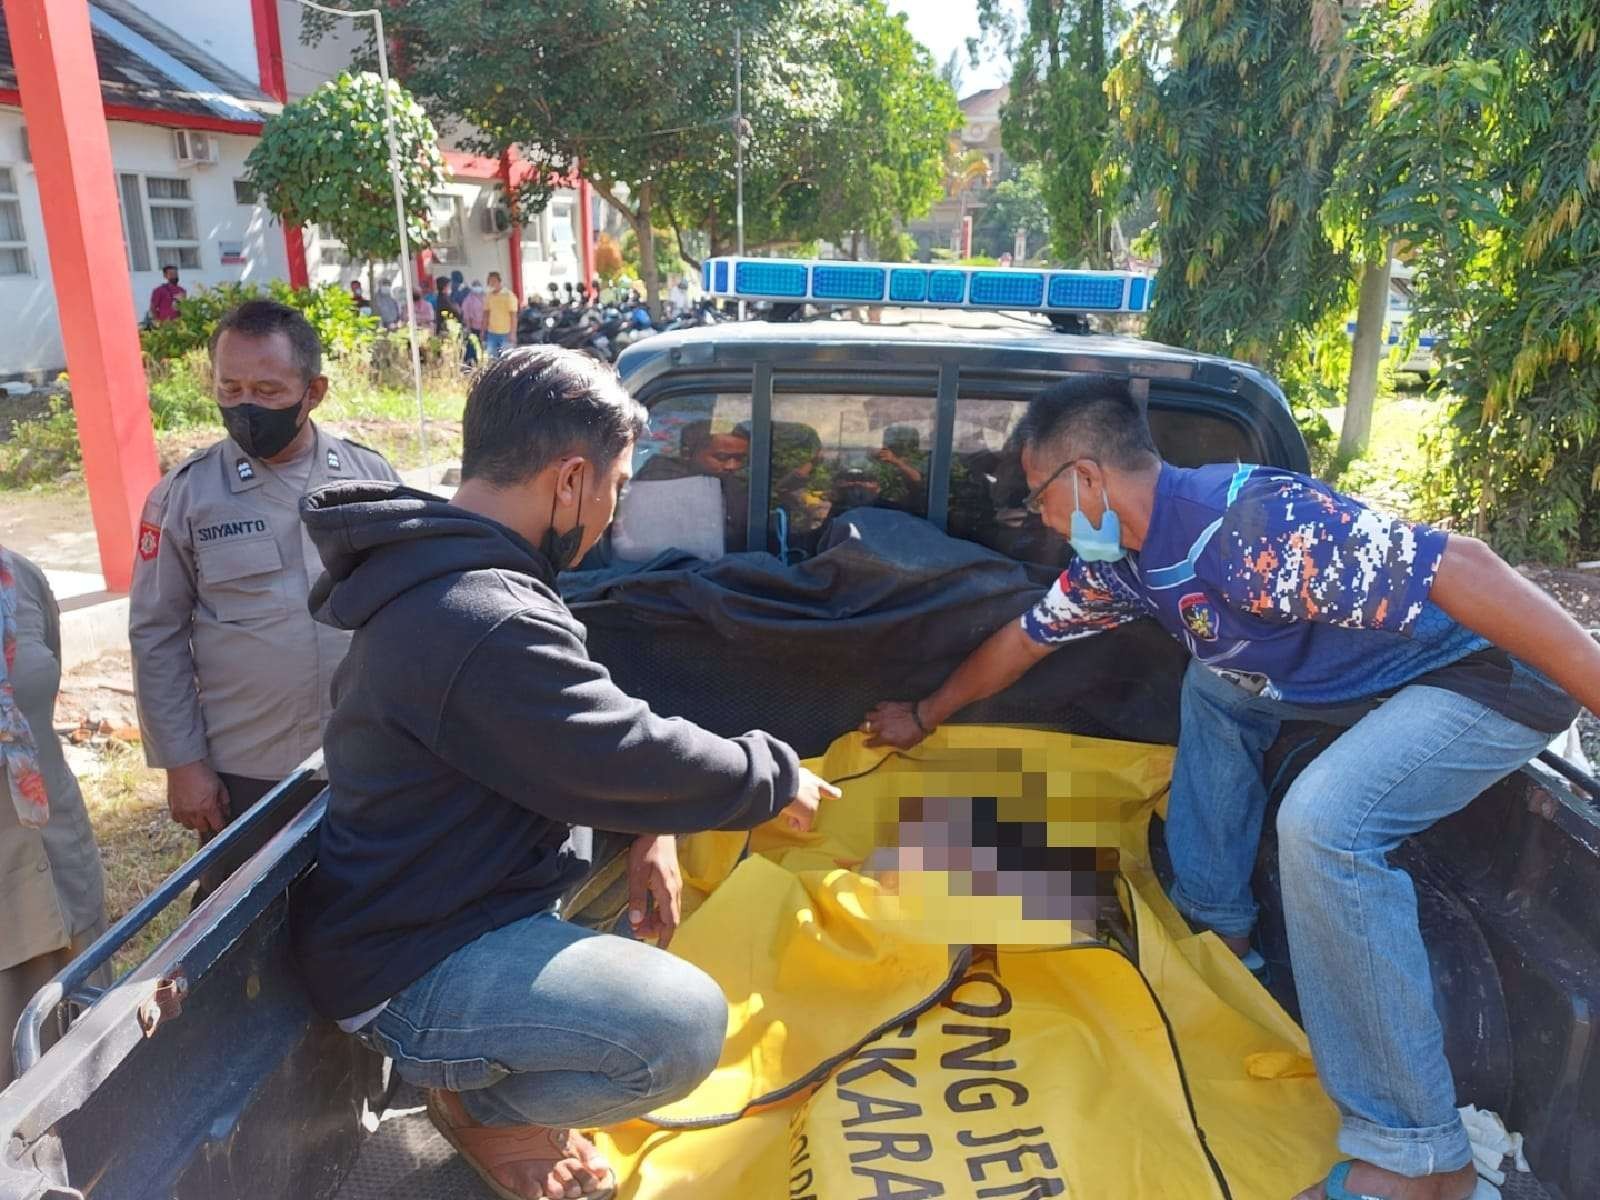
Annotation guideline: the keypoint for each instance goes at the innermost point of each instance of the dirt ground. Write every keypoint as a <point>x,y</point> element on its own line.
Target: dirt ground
<point>53,528</point>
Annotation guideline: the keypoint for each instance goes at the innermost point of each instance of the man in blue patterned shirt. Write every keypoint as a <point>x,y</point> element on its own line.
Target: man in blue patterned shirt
<point>1297,603</point>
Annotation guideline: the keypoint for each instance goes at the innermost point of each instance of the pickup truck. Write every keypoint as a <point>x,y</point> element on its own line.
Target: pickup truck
<point>203,1072</point>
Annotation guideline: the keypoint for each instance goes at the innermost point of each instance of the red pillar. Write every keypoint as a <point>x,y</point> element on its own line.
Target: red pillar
<point>294,246</point>
<point>60,85</point>
<point>586,229</point>
<point>514,242</point>
<point>269,61</point>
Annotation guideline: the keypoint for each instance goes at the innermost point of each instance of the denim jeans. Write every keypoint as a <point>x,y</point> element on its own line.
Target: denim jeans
<point>543,1022</point>
<point>495,343</point>
<point>1366,994</point>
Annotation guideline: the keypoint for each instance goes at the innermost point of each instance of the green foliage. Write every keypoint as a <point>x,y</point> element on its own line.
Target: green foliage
<point>330,309</point>
<point>1515,286</point>
<point>1015,204</point>
<point>849,120</point>
<point>899,246</point>
<point>42,450</point>
<point>324,160</point>
<point>668,261</point>
<point>1231,115</point>
<point>1057,114</point>
<point>180,392</point>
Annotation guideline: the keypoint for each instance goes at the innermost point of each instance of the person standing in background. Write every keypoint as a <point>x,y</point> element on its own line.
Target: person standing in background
<point>385,306</point>
<point>230,673</point>
<point>52,889</point>
<point>500,316</point>
<point>164,300</point>
<point>444,308</point>
<point>422,311</point>
<point>473,319</point>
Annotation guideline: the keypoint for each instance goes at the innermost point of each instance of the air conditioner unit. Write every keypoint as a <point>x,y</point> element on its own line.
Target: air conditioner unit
<point>496,220</point>
<point>194,149</point>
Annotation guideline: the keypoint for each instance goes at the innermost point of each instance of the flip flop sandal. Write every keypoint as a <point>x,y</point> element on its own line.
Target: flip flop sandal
<point>488,1149</point>
<point>1335,1188</point>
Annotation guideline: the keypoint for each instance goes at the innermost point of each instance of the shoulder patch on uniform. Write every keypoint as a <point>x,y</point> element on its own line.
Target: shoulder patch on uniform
<point>333,459</point>
<point>149,540</point>
<point>246,471</point>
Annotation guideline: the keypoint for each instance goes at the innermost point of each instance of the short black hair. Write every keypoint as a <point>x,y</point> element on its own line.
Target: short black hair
<point>536,404</point>
<point>1096,416</point>
<point>263,318</point>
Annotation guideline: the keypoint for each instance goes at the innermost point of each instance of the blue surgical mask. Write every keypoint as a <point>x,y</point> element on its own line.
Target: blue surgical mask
<point>1089,543</point>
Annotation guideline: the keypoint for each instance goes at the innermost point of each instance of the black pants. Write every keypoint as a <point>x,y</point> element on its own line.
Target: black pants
<point>243,794</point>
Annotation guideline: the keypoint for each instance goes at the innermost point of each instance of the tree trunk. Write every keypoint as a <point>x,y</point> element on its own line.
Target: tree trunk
<point>1372,327</point>
<point>647,253</point>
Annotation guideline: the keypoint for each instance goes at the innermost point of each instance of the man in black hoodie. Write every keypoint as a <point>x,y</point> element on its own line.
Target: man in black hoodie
<point>474,748</point>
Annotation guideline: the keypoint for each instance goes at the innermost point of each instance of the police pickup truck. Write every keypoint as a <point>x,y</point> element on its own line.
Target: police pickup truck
<point>203,1072</point>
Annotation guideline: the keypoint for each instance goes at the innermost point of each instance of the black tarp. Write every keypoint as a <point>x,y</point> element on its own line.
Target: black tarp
<point>885,610</point>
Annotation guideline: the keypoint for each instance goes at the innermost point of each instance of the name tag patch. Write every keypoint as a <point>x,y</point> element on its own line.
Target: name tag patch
<point>223,530</point>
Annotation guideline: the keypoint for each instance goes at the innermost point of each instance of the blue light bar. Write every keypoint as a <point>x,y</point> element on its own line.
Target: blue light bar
<point>826,281</point>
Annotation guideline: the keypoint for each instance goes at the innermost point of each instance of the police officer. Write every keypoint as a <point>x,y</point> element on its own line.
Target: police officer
<point>231,674</point>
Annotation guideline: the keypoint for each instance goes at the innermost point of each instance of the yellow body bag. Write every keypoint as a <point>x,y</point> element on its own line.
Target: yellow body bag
<point>892,1034</point>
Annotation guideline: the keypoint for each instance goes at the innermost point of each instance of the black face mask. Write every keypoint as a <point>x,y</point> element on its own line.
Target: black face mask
<point>562,548</point>
<point>260,431</point>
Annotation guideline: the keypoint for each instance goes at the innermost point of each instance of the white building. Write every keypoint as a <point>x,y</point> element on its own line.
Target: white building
<point>184,110</point>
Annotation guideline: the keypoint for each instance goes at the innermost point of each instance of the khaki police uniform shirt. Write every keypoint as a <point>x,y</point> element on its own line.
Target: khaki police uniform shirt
<point>228,665</point>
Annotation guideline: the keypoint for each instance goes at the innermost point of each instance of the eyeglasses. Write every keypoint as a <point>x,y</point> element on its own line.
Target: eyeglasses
<point>1032,500</point>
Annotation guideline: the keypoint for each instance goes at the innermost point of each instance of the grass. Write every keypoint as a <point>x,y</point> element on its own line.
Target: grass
<point>140,844</point>
<point>372,402</point>
<point>1401,470</point>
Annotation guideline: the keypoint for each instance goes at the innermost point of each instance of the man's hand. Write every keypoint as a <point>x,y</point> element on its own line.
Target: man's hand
<point>197,798</point>
<point>893,723</point>
<point>800,814</point>
<point>655,888</point>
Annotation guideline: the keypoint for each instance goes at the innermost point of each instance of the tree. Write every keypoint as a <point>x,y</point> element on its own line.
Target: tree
<point>848,120</point>
<point>1501,216</point>
<point>1016,205</point>
<point>607,258</point>
<point>324,160</point>
<point>1057,114</point>
<point>965,171</point>
<point>1232,117</point>
<point>621,92</point>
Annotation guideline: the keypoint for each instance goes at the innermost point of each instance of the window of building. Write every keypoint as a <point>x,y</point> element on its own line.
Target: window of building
<point>134,237</point>
<point>172,222</point>
<point>331,252</point>
<point>244,194</point>
<point>835,452</point>
<point>691,480</point>
<point>14,258</point>
<point>447,221</point>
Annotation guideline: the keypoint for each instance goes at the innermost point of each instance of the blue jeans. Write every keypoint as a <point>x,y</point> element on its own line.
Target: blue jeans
<point>1366,994</point>
<point>541,1022</point>
<point>496,343</point>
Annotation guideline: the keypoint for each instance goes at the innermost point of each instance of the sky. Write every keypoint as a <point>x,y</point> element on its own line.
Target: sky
<point>944,25</point>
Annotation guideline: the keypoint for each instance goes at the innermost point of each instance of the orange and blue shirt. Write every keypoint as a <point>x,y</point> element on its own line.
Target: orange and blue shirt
<point>1284,586</point>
